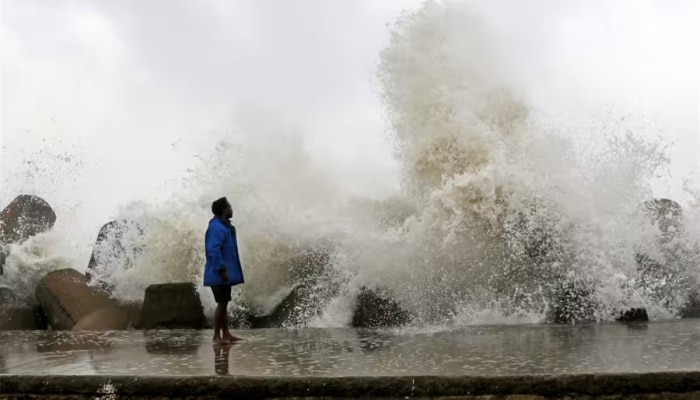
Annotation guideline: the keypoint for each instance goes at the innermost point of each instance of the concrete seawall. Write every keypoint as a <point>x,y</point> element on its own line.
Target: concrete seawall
<point>670,385</point>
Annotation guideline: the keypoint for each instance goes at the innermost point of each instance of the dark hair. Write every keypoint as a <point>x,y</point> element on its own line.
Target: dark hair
<point>219,206</point>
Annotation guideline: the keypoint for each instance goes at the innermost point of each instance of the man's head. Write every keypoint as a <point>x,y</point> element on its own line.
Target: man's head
<point>222,208</point>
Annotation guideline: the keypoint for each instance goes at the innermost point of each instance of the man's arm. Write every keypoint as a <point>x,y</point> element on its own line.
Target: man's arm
<point>215,250</point>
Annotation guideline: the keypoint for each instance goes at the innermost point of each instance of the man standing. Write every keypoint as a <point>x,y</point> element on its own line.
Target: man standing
<point>223,267</point>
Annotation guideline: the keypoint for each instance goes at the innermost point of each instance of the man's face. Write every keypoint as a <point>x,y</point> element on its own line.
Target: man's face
<point>229,211</point>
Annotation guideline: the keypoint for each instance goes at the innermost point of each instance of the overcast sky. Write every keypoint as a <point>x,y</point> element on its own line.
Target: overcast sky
<point>127,88</point>
<point>125,91</point>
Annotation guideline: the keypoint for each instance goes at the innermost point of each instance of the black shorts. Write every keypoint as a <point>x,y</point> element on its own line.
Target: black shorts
<point>222,293</point>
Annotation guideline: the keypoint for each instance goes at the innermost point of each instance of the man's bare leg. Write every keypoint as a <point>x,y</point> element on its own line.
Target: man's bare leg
<point>221,332</point>
<point>220,323</point>
<point>227,336</point>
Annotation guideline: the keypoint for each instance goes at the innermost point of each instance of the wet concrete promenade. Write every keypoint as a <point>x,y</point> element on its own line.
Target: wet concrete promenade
<point>488,360</point>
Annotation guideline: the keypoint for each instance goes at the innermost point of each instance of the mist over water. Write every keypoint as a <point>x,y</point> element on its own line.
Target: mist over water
<point>493,200</point>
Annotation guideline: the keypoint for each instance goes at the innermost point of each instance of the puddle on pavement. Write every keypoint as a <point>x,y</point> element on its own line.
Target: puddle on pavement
<point>484,350</point>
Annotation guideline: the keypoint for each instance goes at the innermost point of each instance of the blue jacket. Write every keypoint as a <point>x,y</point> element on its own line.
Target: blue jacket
<point>222,251</point>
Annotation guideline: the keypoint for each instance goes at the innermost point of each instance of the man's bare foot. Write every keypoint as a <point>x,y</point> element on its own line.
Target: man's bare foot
<point>230,338</point>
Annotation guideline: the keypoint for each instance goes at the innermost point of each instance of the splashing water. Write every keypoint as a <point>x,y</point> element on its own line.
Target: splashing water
<point>510,209</point>
<point>502,213</point>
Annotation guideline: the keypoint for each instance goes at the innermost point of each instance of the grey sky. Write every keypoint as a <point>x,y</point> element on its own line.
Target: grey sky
<point>122,81</point>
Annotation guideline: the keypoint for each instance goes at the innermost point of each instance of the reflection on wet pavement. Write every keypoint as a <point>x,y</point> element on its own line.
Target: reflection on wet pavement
<point>485,350</point>
<point>222,358</point>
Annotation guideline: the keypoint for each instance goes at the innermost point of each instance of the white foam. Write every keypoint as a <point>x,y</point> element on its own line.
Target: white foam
<point>475,153</point>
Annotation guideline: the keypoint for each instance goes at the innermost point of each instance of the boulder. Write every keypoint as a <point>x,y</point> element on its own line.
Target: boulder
<point>7,296</point>
<point>66,298</point>
<point>634,315</point>
<point>132,311</point>
<point>312,284</point>
<point>285,313</point>
<point>298,307</point>
<point>22,318</point>
<point>691,309</point>
<point>4,252</point>
<point>25,217</point>
<point>105,319</point>
<point>172,306</point>
<point>115,249</point>
<point>375,310</point>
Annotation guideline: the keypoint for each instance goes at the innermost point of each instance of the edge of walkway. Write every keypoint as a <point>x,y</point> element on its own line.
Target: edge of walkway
<point>73,386</point>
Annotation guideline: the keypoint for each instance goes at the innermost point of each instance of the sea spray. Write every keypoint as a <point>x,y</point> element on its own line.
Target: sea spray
<point>509,208</point>
<point>505,215</point>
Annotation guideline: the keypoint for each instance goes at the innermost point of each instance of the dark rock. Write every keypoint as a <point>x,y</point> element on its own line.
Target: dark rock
<point>172,306</point>
<point>132,311</point>
<point>115,249</point>
<point>691,309</point>
<point>4,252</point>
<point>314,283</point>
<point>7,296</point>
<point>374,310</point>
<point>25,217</point>
<point>66,298</point>
<point>105,319</point>
<point>286,312</point>
<point>634,315</point>
<point>22,318</point>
